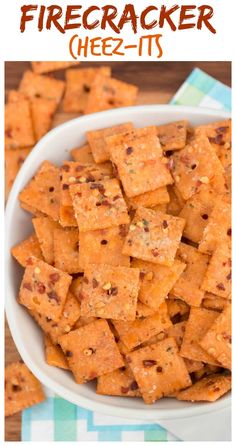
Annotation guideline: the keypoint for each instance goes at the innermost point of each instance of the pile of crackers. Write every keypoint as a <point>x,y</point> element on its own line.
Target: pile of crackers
<point>128,267</point>
<point>30,110</point>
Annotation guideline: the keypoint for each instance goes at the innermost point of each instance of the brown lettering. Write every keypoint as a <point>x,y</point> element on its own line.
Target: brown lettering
<point>185,16</point>
<point>93,46</point>
<point>53,17</point>
<point>88,11</point>
<point>70,16</point>
<point>41,17</point>
<point>128,16</point>
<point>109,14</point>
<point>26,18</point>
<point>165,16</point>
<point>204,18</point>
<point>143,17</point>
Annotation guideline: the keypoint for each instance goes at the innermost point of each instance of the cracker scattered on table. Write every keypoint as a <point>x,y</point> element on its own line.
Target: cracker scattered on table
<point>210,388</point>
<point>120,382</point>
<point>45,67</point>
<point>173,136</point>
<point>24,250</point>
<point>44,227</point>
<point>13,162</point>
<point>19,131</point>
<point>66,250</point>
<point>54,355</point>
<point>22,389</point>
<point>34,85</point>
<point>218,276</point>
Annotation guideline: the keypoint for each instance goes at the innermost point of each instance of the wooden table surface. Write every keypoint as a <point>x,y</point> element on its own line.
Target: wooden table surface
<point>157,82</point>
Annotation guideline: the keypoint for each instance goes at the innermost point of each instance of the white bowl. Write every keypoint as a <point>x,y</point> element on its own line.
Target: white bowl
<point>55,146</point>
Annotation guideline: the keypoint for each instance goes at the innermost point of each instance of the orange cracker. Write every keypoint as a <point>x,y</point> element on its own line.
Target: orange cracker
<point>42,110</point>
<point>18,125</point>
<point>91,351</point>
<point>44,289</point>
<point>159,370</point>
<point>156,281</point>
<point>143,310</point>
<point>82,154</point>
<point>97,140</point>
<point>110,292</point>
<point>154,236</point>
<point>54,355</point>
<point>141,165</point>
<point>217,340</point>
<point>66,250</point>
<point>22,389</point>
<point>178,310</point>
<point>218,133</point>
<point>44,227</point>
<point>195,165</point>
<point>26,207</point>
<point>212,302</point>
<point>217,279</point>
<point>135,333</point>
<point>83,320</point>
<point>67,216</point>
<point>103,246</point>
<point>150,199</point>
<point>43,191</point>
<point>99,205</point>
<point>70,314</point>
<point>15,96</point>
<point>160,208</point>
<point>78,87</point>
<point>188,286</point>
<point>210,388</point>
<point>24,250</point>
<point>45,67</point>
<point>173,136</point>
<point>13,162</point>
<point>218,229</point>
<point>120,382</point>
<point>200,320</point>
<point>107,93</point>
<point>34,85</point>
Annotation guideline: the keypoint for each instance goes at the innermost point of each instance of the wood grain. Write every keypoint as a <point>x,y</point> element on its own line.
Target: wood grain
<point>157,82</point>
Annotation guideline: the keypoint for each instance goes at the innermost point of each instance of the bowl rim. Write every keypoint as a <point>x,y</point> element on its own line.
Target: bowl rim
<point>103,408</point>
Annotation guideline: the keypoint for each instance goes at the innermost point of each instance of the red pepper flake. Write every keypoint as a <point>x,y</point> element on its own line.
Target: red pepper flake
<point>86,88</point>
<point>216,139</point>
<point>85,279</point>
<point>106,203</point>
<point>41,288</point>
<point>155,252</point>
<point>124,389</point>
<point>149,362</point>
<point>29,261</point>
<point>123,230</point>
<point>146,229</point>
<point>98,186</point>
<point>129,241</point>
<point>69,354</point>
<point>27,286</point>
<point>228,277</point>
<point>220,286</point>
<point>159,369</point>
<point>114,170</point>
<point>165,224</point>
<point>79,168</point>
<point>229,232</point>
<point>227,337</point>
<point>129,150</point>
<point>53,296</point>
<point>142,275</point>
<point>222,129</point>
<point>65,186</point>
<point>94,283</point>
<point>113,291</point>
<point>204,216</point>
<point>104,242</point>
<point>116,197</point>
<point>54,277</point>
<point>66,168</point>
<point>133,385</point>
<point>216,389</point>
<point>81,296</point>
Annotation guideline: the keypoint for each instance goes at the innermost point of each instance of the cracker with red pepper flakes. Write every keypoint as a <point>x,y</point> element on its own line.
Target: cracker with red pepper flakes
<point>54,355</point>
<point>110,292</point>
<point>70,315</point>
<point>13,162</point>
<point>210,388</point>
<point>188,285</point>
<point>67,216</point>
<point>82,154</point>
<point>173,135</point>
<point>149,199</point>
<point>43,191</point>
<point>218,133</point>
<point>213,302</point>
<point>218,228</point>
<point>78,87</point>
<point>217,279</point>
<point>45,67</point>
<point>99,205</point>
<point>159,370</point>
<point>217,340</point>
<point>135,333</point>
<point>19,131</point>
<point>91,351</point>
<point>195,165</point>
<point>66,250</point>
<point>141,164</point>
<point>107,93</point>
<point>120,382</point>
<point>103,246</point>
<point>24,250</point>
<point>44,289</point>
<point>22,389</point>
<point>200,320</point>
<point>34,85</point>
<point>44,227</point>
<point>154,236</point>
<point>156,281</point>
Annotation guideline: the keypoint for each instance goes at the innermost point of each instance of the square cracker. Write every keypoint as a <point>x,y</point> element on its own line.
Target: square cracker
<point>42,110</point>
<point>149,199</point>
<point>110,292</point>
<point>188,285</point>
<point>140,164</point>
<point>70,315</point>
<point>218,133</point>
<point>54,355</point>
<point>18,125</point>
<point>135,333</point>
<point>44,227</point>
<point>210,388</point>
<point>156,281</point>
<point>173,136</point>
<point>91,351</point>
<point>22,389</point>
<point>67,216</point>
<point>78,87</point>
<point>217,340</point>
<point>99,205</point>
<point>217,279</point>
<point>34,85</point>
<point>154,236</point>
<point>103,246</point>
<point>120,382</point>
<point>194,165</point>
<point>107,93</point>
<point>97,140</point>
<point>159,370</point>
<point>213,302</point>
<point>13,162</point>
<point>218,229</point>
<point>45,67</point>
<point>200,320</point>
<point>43,191</point>
<point>24,250</point>
<point>82,154</point>
<point>66,250</point>
<point>44,289</point>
